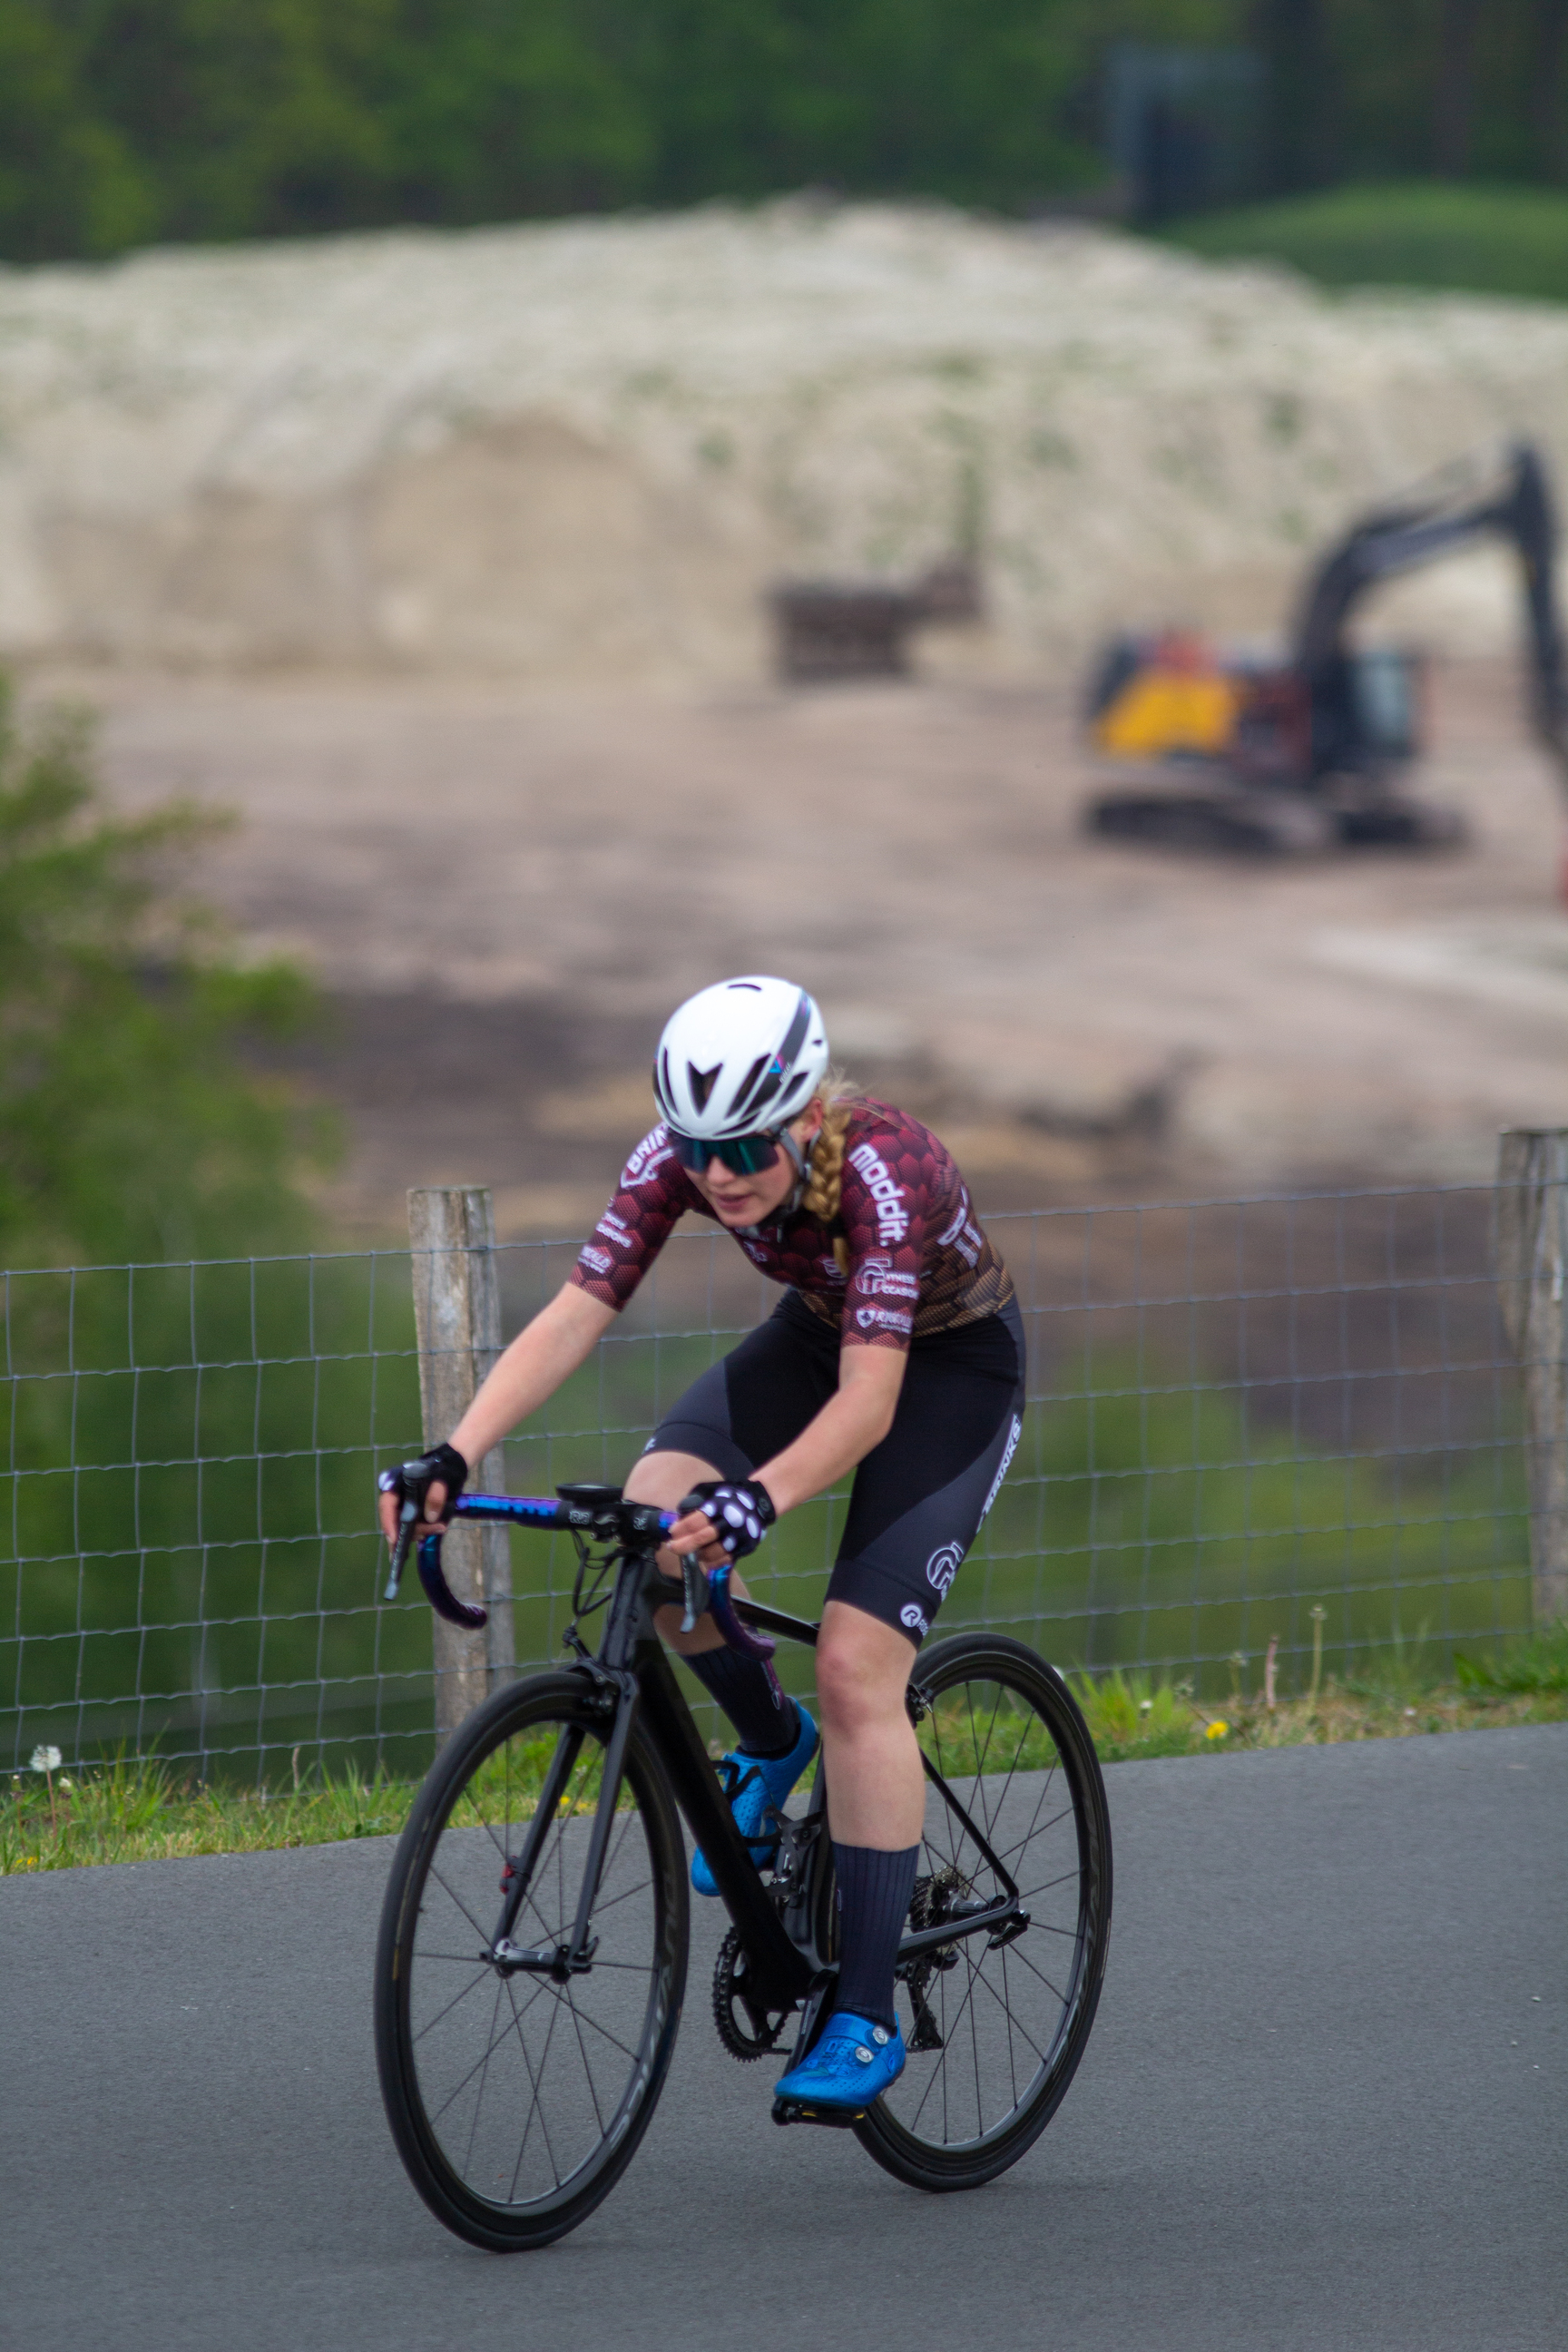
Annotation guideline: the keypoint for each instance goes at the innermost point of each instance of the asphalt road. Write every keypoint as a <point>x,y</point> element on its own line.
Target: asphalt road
<point>1323,2107</point>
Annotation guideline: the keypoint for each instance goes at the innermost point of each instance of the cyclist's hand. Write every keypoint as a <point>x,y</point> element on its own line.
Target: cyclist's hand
<point>723,1519</point>
<point>434,1481</point>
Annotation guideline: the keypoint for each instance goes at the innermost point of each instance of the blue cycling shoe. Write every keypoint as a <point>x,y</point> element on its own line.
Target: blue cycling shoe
<point>850,2066</point>
<point>756,1785</point>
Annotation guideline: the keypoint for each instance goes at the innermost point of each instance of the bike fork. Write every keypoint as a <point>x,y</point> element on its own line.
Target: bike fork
<point>574,1957</point>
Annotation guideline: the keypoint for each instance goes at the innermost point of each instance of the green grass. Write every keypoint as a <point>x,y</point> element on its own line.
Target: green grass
<point>130,1810</point>
<point>1538,1663</point>
<point>1479,239</point>
<point>1134,1715</point>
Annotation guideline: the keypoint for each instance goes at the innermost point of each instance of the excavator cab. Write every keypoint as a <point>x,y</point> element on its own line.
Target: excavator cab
<point>1239,754</point>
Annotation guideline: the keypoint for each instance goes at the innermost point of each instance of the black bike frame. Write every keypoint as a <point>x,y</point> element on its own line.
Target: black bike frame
<point>633,1675</point>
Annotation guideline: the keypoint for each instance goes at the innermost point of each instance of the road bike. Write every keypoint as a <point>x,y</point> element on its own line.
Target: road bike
<point>530,1965</point>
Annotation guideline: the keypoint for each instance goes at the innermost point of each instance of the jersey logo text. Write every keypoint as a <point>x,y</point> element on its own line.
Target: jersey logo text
<point>892,1218</point>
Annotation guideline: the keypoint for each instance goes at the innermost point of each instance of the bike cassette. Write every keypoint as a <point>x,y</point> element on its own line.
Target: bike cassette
<point>792,2111</point>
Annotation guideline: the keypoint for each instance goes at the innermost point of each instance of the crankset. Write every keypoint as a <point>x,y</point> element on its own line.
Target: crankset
<point>746,2030</point>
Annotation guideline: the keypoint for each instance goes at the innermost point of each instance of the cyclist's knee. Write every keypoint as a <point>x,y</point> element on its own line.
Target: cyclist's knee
<point>862,1667</point>
<point>665,1478</point>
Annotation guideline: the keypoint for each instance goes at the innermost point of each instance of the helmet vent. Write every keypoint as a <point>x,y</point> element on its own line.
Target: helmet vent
<point>703,1082</point>
<point>754,1090</point>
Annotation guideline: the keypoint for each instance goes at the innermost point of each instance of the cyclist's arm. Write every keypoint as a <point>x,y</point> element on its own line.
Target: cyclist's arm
<point>545,1353</point>
<point>854,1419</point>
<point>857,1417</point>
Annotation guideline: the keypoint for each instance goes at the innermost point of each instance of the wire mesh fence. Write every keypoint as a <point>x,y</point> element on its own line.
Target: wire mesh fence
<point>1241,1411</point>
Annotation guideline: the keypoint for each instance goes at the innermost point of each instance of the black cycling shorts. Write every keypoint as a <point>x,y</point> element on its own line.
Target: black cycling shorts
<point>918,1497</point>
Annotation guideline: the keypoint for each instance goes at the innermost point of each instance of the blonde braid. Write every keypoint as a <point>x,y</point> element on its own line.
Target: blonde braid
<point>825,1178</point>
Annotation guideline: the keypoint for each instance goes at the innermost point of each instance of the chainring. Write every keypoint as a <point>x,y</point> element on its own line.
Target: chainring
<point>746,2033</point>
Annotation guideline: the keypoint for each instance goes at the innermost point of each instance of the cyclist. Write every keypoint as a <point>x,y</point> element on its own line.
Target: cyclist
<point>896,1351</point>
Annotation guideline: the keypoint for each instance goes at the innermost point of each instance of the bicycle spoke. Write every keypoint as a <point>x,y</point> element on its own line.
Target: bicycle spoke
<point>482,2060</point>
<point>535,2108</point>
<point>457,1902</point>
<point>1045,1979</point>
<point>582,2053</point>
<point>452,2005</point>
<point>485,2070</point>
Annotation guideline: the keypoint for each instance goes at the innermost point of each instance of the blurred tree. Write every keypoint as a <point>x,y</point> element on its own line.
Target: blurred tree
<point>123,119</point>
<point>129,1124</point>
<point>1301,139</point>
<point>1453,119</point>
<point>68,182</point>
<point>1548,111</point>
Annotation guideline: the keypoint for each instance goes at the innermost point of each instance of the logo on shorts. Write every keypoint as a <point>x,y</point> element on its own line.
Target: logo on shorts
<point>943,1566</point>
<point>1017,1430</point>
<point>915,1619</point>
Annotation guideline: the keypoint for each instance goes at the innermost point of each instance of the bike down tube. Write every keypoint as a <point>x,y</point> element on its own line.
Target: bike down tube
<point>780,1975</point>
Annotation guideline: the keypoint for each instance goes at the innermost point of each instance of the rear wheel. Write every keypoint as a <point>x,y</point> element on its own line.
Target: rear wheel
<point>995,2030</point>
<point>518,2095</point>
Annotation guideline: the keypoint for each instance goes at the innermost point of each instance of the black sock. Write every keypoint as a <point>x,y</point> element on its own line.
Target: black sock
<point>766,1721</point>
<point>874,1891</point>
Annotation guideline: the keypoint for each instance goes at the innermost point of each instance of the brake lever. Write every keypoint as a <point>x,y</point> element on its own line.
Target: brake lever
<point>694,1590</point>
<point>400,1549</point>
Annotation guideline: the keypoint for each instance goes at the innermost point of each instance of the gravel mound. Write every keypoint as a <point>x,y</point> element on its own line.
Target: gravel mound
<point>578,451</point>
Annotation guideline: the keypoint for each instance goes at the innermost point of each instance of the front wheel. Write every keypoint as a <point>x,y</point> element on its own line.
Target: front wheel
<point>996,2027</point>
<point>517,2094</point>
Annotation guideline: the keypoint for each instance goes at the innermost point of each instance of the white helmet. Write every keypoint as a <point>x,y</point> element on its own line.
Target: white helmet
<point>739,1057</point>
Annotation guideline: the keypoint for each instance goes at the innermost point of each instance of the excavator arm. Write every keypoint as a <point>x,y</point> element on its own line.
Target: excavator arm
<point>1399,538</point>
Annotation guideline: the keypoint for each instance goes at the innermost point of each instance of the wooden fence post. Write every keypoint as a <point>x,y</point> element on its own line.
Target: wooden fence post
<point>1531,1231</point>
<point>456,1322</point>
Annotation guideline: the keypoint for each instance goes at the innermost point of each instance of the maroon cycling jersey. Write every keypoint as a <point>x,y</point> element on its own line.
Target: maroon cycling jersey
<point>919,1261</point>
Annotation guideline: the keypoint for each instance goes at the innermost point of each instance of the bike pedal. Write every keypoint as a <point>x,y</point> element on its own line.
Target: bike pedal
<point>789,2111</point>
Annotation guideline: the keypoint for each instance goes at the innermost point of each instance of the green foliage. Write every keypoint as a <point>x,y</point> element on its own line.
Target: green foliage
<point>1537,1661</point>
<point>122,121</point>
<point>1491,240</point>
<point>1136,1715</point>
<point>215,119</point>
<point>127,1128</point>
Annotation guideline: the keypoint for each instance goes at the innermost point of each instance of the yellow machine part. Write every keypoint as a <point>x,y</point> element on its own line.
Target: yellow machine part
<point>1163,710</point>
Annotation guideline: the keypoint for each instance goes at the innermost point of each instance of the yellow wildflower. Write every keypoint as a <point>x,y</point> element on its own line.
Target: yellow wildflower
<point>1217,1729</point>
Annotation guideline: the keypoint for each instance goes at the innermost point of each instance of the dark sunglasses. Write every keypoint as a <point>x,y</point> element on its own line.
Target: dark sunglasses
<point>743,1155</point>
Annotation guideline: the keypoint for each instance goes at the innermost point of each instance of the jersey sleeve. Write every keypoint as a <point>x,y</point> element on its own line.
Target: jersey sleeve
<point>882,1208</point>
<point>652,1195</point>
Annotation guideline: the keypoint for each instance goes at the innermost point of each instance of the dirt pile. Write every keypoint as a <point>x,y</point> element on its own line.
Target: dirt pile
<point>577,451</point>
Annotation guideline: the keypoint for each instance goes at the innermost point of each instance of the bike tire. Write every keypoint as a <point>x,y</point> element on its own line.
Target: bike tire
<point>999,1703</point>
<point>446,2018</point>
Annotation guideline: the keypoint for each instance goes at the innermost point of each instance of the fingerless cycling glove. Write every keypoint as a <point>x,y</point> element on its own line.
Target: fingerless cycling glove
<point>411,1481</point>
<point>740,1511</point>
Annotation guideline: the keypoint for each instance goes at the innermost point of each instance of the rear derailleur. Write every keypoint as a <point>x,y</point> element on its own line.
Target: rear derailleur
<point>935,1899</point>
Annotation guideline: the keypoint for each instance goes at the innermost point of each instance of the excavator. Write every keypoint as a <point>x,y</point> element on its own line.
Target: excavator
<point>1283,757</point>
